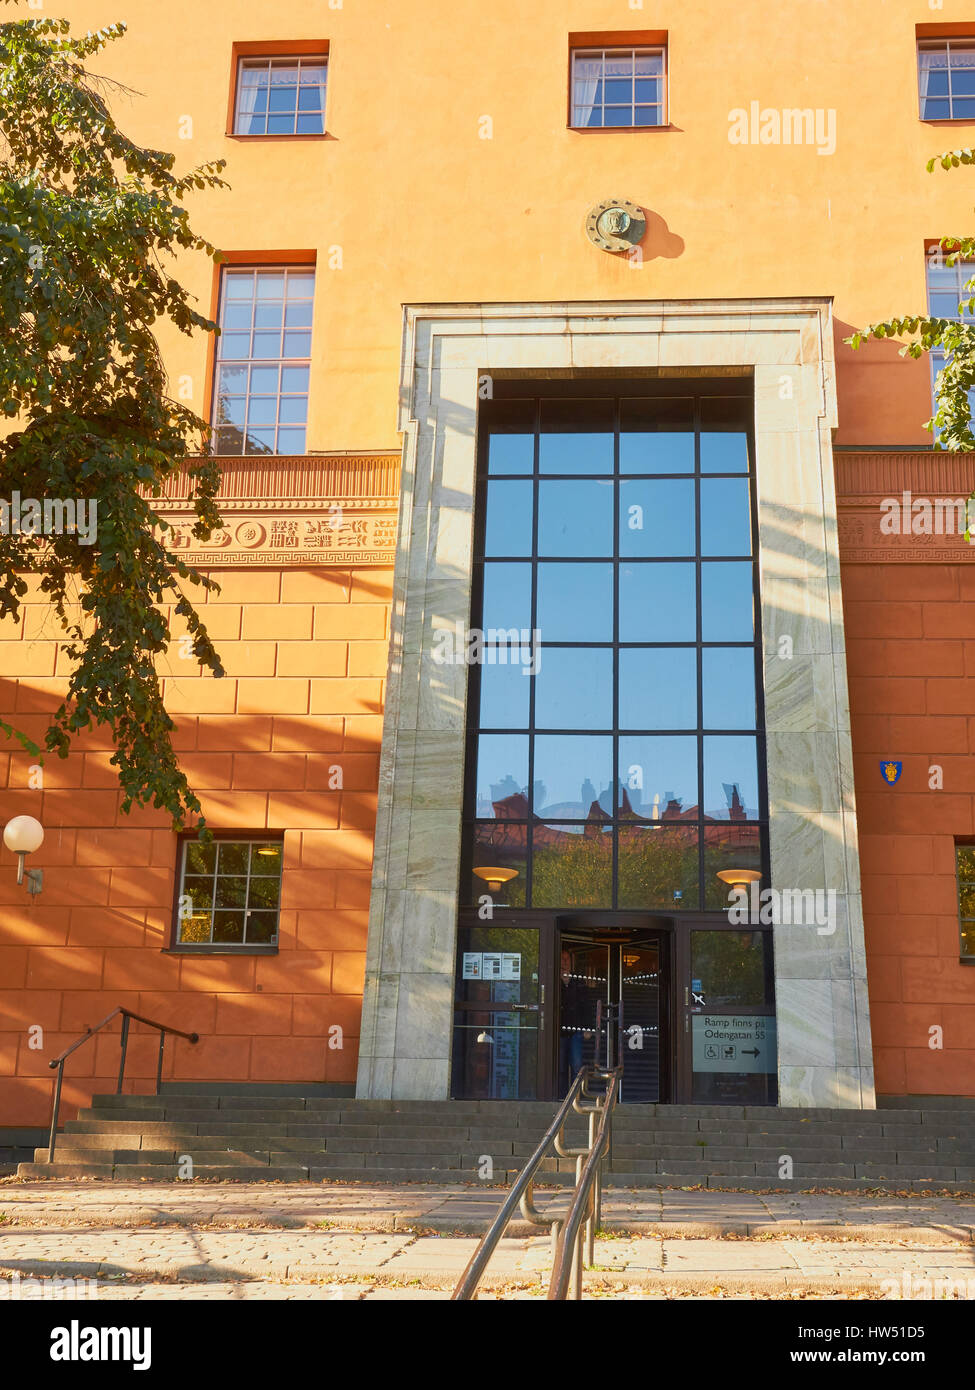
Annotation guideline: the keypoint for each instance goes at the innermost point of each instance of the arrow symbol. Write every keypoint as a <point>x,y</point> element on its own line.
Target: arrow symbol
<point>752,1053</point>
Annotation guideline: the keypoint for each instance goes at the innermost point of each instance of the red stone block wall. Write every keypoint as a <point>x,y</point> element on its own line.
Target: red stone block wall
<point>305,654</point>
<point>909,605</point>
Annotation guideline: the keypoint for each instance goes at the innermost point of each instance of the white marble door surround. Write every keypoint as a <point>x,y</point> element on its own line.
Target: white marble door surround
<point>825,1054</point>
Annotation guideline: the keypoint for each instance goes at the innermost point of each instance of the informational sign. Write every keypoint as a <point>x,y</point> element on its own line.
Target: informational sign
<point>472,965</point>
<point>511,965</point>
<point>733,1042</point>
<point>491,965</point>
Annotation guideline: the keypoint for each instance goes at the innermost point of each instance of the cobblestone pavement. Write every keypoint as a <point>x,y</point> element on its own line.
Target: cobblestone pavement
<point>358,1242</point>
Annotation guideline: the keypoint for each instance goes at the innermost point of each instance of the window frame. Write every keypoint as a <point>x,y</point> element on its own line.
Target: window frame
<point>931,262</point>
<point>701,389</point>
<point>637,46</point>
<point>255,266</point>
<point>223,948</point>
<point>290,48</point>
<point>934,43</point>
<point>960,843</point>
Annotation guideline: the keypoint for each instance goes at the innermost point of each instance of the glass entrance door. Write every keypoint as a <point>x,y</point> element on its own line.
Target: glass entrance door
<point>627,975</point>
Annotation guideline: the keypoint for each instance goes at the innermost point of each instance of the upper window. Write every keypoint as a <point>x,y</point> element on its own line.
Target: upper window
<point>946,76</point>
<point>620,88</point>
<point>966,899</point>
<point>946,294</point>
<point>229,893</point>
<point>281,96</point>
<point>263,360</point>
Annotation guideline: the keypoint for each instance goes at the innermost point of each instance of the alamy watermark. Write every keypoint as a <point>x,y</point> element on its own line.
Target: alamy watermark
<point>758,125</point>
<point>786,907</point>
<point>908,515</point>
<point>495,646</point>
<point>54,516</point>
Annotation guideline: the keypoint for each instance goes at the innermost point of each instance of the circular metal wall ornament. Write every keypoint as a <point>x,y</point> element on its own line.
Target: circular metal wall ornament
<point>616,225</point>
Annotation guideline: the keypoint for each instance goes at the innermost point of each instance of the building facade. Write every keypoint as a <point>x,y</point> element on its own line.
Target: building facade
<point>570,559</point>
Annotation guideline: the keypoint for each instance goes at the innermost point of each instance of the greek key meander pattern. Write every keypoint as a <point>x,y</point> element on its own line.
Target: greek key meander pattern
<point>864,480</point>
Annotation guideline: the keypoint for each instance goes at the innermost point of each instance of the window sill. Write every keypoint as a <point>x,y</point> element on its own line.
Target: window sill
<point>947,120</point>
<point>966,960</point>
<point>323,135</point>
<point>618,129</point>
<point>219,951</point>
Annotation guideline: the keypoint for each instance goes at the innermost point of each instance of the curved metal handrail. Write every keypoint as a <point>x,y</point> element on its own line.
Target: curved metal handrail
<point>567,1263</point>
<point>522,1191</point>
<point>127,1016</point>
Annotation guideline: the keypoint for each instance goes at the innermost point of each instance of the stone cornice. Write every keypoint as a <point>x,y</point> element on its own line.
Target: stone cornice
<point>328,509</point>
<point>864,479</point>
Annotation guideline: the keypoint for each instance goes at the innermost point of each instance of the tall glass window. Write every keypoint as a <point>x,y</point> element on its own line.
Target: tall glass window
<point>260,404</point>
<point>616,758</point>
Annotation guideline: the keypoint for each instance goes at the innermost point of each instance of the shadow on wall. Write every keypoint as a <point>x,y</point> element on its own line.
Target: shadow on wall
<point>877,372</point>
<point>94,938</point>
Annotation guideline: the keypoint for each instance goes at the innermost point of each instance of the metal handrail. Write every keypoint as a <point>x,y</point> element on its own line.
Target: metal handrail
<point>568,1261</point>
<point>523,1189</point>
<point>127,1016</point>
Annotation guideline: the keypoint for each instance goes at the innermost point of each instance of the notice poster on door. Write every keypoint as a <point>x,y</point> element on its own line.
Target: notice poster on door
<point>472,965</point>
<point>733,1043</point>
<point>511,965</point>
<point>491,965</point>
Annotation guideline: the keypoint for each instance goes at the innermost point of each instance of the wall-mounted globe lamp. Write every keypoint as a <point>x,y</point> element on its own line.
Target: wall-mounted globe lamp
<point>22,836</point>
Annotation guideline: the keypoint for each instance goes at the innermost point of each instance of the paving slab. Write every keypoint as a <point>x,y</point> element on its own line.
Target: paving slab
<point>470,1209</point>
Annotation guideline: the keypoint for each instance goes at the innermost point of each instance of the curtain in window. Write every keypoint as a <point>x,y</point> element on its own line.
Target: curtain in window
<point>930,62</point>
<point>321,88</point>
<point>586,73</point>
<point>248,87</point>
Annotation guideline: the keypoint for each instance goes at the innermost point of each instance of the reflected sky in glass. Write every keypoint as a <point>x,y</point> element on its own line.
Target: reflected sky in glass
<point>656,770</point>
<point>728,675</point>
<point>575,603</point>
<point>657,517</point>
<point>727,602</point>
<point>728,762</point>
<point>505,692</point>
<point>573,769</point>
<point>574,688</point>
<point>726,527</point>
<point>658,603</point>
<point>507,596</point>
<point>658,688</point>
<point>509,518</point>
<point>575,518</point>
<point>502,768</point>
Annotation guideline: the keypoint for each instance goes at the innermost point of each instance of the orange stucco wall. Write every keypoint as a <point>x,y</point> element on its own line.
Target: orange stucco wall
<point>423,208</point>
<point>448,174</point>
<point>305,652</point>
<point>910,640</point>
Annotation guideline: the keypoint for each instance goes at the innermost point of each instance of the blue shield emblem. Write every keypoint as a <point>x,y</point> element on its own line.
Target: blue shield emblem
<point>890,771</point>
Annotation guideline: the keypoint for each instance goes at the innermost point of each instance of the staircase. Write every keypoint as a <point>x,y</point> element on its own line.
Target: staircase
<point>269,1136</point>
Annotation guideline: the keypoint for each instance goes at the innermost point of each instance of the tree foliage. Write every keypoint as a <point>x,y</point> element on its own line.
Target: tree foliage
<point>952,420</point>
<point>88,221</point>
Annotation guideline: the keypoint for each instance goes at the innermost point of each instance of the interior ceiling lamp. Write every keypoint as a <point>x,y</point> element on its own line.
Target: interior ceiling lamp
<point>22,836</point>
<point>738,878</point>
<point>495,877</point>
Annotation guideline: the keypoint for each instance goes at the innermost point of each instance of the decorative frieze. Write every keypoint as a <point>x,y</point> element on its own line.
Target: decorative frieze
<point>335,509</point>
<point>865,480</point>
